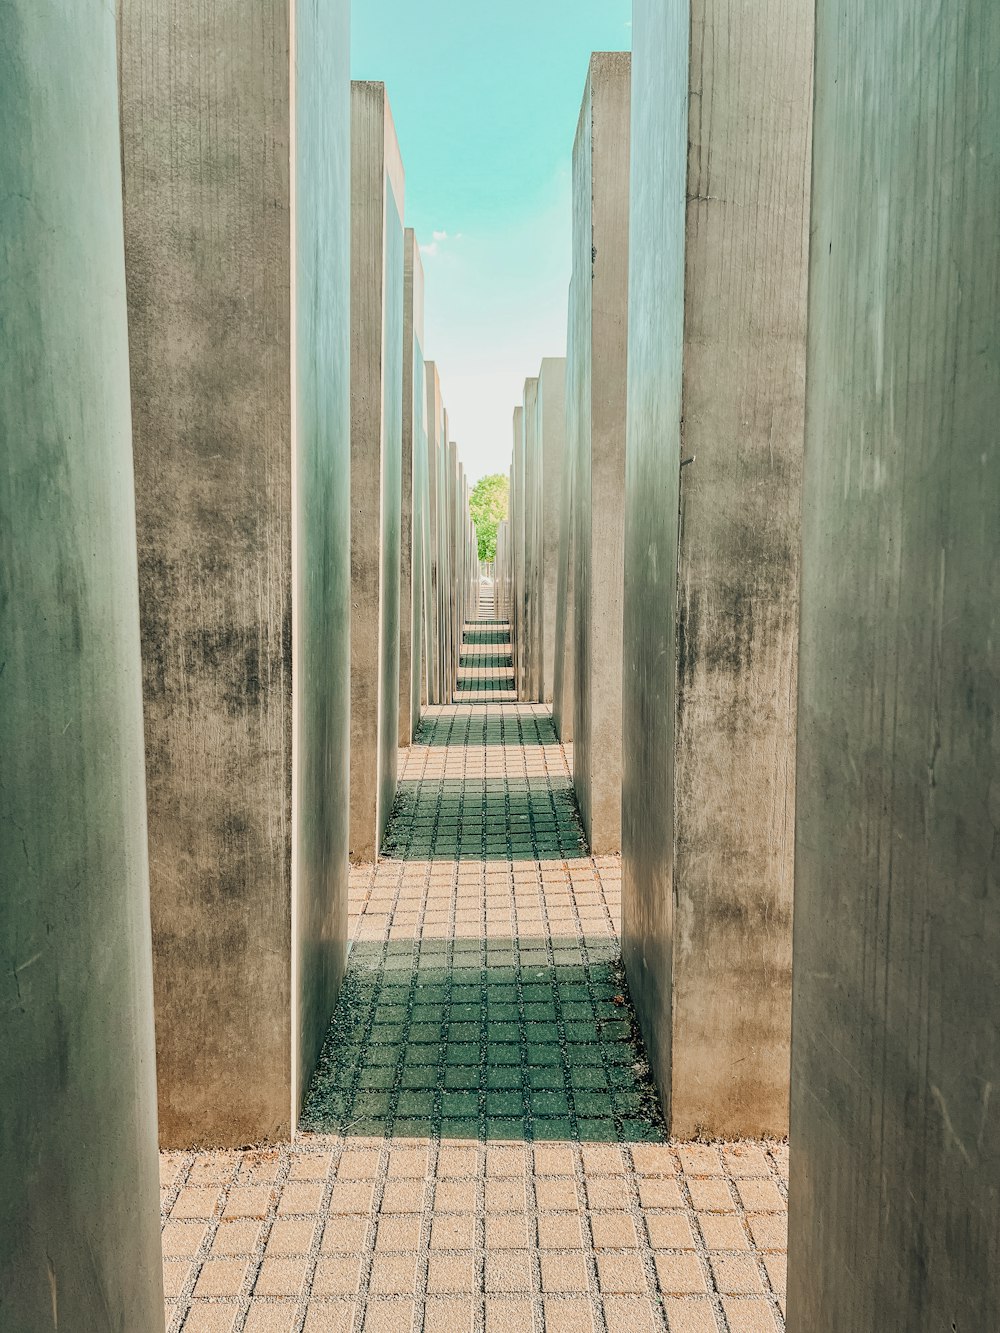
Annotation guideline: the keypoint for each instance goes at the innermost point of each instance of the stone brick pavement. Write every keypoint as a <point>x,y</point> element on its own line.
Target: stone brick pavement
<point>480,1149</point>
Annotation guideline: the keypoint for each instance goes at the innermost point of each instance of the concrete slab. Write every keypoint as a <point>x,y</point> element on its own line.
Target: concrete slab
<point>241,495</point>
<point>717,348</point>
<point>517,522</point>
<point>532,681</point>
<point>597,358</point>
<point>79,1233</point>
<point>894,1206</point>
<point>376,467</point>
<point>563,667</point>
<point>435,436</point>
<point>552,454</point>
<point>321,302</point>
<point>413,492</point>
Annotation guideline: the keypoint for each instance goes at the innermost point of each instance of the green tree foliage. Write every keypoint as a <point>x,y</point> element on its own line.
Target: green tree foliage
<point>488,505</point>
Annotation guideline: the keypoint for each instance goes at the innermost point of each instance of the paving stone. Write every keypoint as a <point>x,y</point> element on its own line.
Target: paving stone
<point>181,1239</point>
<point>206,1317</point>
<point>220,1277</point>
<point>749,1316</point>
<point>568,1317</point>
<point>628,1314</point>
<point>281,1317</point>
<point>328,1317</point>
<point>509,1316</point>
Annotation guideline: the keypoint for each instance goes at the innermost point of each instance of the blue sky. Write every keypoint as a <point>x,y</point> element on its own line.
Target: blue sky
<point>485,98</point>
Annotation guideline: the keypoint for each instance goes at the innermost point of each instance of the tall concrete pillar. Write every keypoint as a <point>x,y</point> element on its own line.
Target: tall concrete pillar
<point>454,564</point>
<point>511,575</point>
<point>532,684</point>
<point>444,563</point>
<point>518,529</point>
<point>597,354</point>
<point>563,668</point>
<point>79,1225</point>
<point>894,1210</point>
<point>500,578</point>
<point>435,435</point>
<point>552,460</point>
<point>377,268</point>
<point>716,374</point>
<point>236,240</point>
<point>414,460</point>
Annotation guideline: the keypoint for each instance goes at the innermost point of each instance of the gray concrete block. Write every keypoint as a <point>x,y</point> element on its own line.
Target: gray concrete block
<point>79,1233</point>
<point>716,371</point>
<point>412,492</point>
<point>597,358</point>
<point>519,649</point>
<point>241,499</point>
<point>321,526</point>
<point>376,466</point>
<point>502,570</point>
<point>563,666</point>
<point>531,680</point>
<point>435,436</point>
<point>552,455</point>
<point>894,1208</point>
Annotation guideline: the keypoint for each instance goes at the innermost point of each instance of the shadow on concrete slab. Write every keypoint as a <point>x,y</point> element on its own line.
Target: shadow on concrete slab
<point>485,819</point>
<point>475,729</point>
<point>519,1039</point>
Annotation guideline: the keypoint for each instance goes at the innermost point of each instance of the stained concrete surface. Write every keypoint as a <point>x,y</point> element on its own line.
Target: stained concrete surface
<point>412,492</point>
<point>517,520</point>
<point>723,763</point>
<point>597,352</point>
<point>435,434</point>
<point>79,1241</point>
<point>652,482</point>
<point>552,449</point>
<point>376,461</point>
<point>563,667</point>
<point>895,1210</point>
<point>531,682</point>
<point>322,570</point>
<point>212,299</point>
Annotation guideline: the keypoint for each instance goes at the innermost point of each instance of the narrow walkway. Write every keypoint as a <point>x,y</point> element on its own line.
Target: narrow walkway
<point>481,1148</point>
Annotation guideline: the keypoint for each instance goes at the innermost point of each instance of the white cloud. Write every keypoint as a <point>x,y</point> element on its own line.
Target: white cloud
<point>439,238</point>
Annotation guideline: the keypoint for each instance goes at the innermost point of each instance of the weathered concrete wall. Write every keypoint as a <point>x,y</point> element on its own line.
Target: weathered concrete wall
<point>79,1235</point>
<point>895,1210</point>
<point>456,482</point>
<point>421,696</point>
<point>552,453</point>
<point>563,669</point>
<point>223,489</point>
<point>726,952</point>
<point>435,435</point>
<point>531,684</point>
<point>321,534</point>
<point>376,466</point>
<point>653,456</point>
<point>502,580</point>
<point>597,350</point>
<point>518,550</point>
<point>444,566</point>
<point>412,491</point>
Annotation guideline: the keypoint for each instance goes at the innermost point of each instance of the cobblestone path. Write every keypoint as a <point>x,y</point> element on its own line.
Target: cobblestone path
<point>481,1148</point>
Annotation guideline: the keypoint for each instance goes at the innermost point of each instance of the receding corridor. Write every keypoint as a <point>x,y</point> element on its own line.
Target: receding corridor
<point>481,1148</point>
